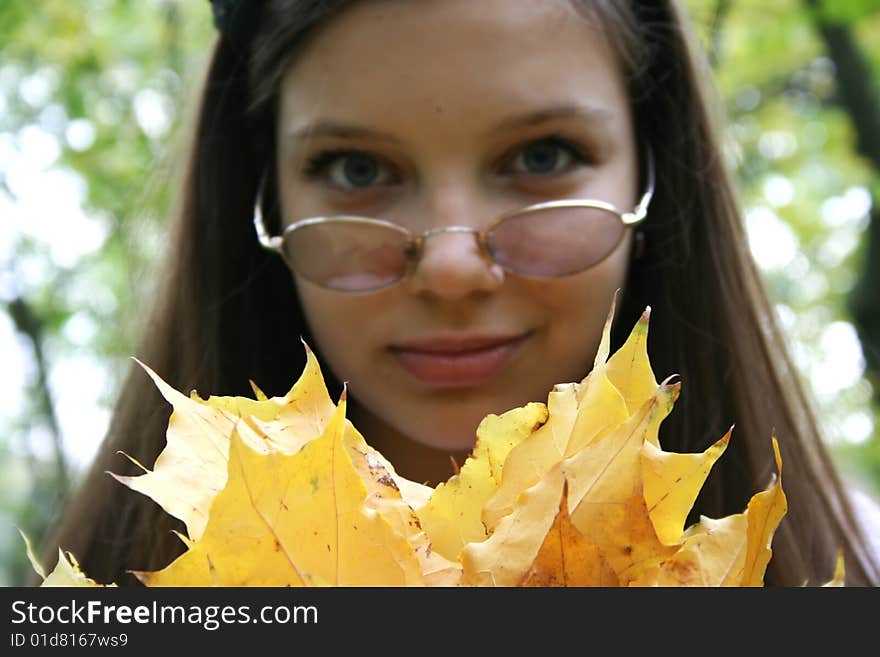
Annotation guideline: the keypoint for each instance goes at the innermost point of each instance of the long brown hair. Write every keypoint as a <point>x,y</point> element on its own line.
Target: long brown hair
<point>226,312</point>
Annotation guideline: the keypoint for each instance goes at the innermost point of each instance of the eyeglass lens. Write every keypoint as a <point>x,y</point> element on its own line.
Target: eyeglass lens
<point>555,241</point>
<point>352,256</point>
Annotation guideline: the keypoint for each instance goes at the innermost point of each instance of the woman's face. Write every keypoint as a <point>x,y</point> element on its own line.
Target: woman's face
<point>434,114</point>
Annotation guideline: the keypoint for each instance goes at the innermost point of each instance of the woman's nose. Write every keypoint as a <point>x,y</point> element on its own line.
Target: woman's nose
<point>453,264</point>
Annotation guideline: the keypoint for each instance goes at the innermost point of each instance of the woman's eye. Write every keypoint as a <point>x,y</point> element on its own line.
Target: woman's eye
<point>546,156</point>
<point>350,169</point>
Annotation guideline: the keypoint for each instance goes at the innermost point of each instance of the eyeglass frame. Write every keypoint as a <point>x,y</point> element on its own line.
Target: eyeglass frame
<point>415,242</point>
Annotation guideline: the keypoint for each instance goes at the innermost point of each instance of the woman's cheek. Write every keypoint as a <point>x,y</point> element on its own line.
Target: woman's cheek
<point>334,327</point>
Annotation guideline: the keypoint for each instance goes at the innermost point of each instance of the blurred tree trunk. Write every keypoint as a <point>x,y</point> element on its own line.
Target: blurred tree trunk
<point>857,95</point>
<point>30,325</point>
<point>716,31</point>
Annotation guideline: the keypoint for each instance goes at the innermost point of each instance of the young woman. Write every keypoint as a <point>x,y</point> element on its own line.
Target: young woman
<point>543,155</point>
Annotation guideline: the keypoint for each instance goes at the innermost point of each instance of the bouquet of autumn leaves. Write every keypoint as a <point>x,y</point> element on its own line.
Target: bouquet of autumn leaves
<point>575,492</point>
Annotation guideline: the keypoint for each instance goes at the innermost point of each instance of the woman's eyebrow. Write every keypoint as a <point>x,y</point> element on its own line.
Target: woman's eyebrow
<point>339,130</point>
<point>587,113</point>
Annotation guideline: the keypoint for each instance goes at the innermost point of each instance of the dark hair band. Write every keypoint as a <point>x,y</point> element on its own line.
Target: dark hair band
<point>236,20</point>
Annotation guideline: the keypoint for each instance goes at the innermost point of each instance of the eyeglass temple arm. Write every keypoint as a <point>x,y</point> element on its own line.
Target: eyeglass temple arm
<point>641,210</point>
<point>266,241</point>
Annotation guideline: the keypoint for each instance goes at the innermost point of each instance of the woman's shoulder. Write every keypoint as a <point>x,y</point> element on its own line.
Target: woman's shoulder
<point>867,510</point>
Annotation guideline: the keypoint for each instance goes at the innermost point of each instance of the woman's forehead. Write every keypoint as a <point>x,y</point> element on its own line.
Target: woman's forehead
<point>456,60</point>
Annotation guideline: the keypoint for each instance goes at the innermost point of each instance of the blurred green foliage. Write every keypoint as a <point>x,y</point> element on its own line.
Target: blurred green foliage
<point>104,88</point>
<point>794,146</point>
<point>107,83</point>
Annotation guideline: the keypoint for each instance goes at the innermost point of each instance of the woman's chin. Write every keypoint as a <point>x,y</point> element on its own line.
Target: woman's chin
<point>453,430</point>
<point>447,442</point>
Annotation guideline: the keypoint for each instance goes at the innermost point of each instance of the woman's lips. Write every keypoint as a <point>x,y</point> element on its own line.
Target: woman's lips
<point>456,362</point>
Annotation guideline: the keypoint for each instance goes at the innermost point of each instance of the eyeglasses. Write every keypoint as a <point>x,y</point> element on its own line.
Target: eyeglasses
<point>363,254</point>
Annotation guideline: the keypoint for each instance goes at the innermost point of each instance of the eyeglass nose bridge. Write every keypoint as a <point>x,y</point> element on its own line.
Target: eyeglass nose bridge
<point>417,243</point>
<point>448,229</point>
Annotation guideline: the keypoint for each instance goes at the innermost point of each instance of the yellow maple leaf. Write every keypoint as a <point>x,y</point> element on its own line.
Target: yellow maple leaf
<point>294,520</point>
<point>839,578</point>
<point>66,573</point>
<point>764,513</point>
<point>567,558</point>
<point>731,551</point>
<point>671,484</point>
<point>629,369</point>
<point>577,413</point>
<point>394,499</point>
<point>191,469</point>
<point>606,499</point>
<point>537,545</point>
<point>505,557</point>
<point>453,514</point>
<point>711,553</point>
